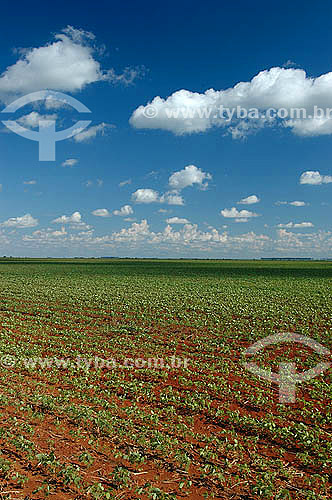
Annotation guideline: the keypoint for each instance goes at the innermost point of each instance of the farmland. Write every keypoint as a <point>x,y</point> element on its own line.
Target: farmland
<point>74,425</point>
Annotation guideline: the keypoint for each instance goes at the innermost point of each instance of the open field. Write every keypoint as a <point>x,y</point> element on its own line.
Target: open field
<point>73,426</point>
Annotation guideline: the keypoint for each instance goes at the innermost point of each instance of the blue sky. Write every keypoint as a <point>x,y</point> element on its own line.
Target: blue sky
<point>130,185</point>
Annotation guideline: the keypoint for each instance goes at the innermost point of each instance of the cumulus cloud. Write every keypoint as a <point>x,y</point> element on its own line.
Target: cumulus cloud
<point>137,231</point>
<point>234,213</point>
<point>250,200</point>
<point>70,162</point>
<point>188,237</point>
<point>313,177</point>
<point>298,203</point>
<point>172,198</point>
<point>75,218</point>
<point>186,112</point>
<point>310,243</point>
<point>75,221</point>
<point>20,222</point>
<point>30,183</point>
<point>68,64</point>
<point>303,224</point>
<point>292,203</point>
<point>33,119</point>
<point>124,211</point>
<point>101,212</point>
<point>145,195</point>
<point>189,176</point>
<point>310,127</point>
<point>45,236</point>
<point>177,220</point>
<point>296,224</point>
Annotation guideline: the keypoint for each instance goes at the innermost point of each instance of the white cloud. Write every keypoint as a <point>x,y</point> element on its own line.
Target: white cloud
<point>244,219</point>
<point>298,203</point>
<point>30,183</point>
<point>296,224</point>
<point>314,178</point>
<point>178,125</point>
<point>135,232</point>
<point>172,198</point>
<point>46,236</point>
<point>304,224</point>
<point>183,240</point>
<point>101,212</point>
<point>189,176</point>
<point>310,127</point>
<point>127,77</point>
<point>62,232</point>
<point>70,162</point>
<point>189,236</point>
<point>187,240</point>
<point>177,220</point>
<point>318,243</point>
<point>125,183</point>
<point>148,195</point>
<point>68,219</point>
<point>75,221</point>
<point>20,222</point>
<point>250,200</point>
<point>186,112</point>
<point>32,119</point>
<point>91,132</point>
<point>51,103</point>
<point>234,213</point>
<point>89,183</point>
<point>292,203</point>
<point>124,211</point>
<point>67,64</point>
<point>145,196</point>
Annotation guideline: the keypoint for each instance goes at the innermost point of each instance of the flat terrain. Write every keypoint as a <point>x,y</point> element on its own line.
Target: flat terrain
<point>77,423</point>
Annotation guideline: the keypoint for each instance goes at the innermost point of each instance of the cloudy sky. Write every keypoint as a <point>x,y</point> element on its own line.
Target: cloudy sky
<point>160,171</point>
